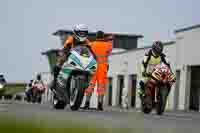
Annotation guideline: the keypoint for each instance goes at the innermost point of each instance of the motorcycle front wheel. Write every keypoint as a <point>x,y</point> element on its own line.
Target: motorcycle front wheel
<point>77,89</point>
<point>58,104</point>
<point>147,105</point>
<point>39,98</point>
<point>58,100</point>
<point>162,100</point>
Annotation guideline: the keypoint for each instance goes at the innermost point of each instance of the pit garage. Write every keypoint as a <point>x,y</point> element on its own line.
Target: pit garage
<point>195,88</point>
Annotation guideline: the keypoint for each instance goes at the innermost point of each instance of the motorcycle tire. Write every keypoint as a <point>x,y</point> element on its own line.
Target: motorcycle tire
<point>59,97</point>
<point>162,100</point>
<point>39,99</point>
<point>34,100</point>
<point>147,105</point>
<point>58,104</point>
<point>28,98</point>
<point>77,91</point>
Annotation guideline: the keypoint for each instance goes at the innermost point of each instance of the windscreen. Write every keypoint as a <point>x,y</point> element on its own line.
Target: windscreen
<point>83,51</point>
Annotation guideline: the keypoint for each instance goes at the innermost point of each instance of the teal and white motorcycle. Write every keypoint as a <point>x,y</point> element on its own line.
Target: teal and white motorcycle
<point>74,78</point>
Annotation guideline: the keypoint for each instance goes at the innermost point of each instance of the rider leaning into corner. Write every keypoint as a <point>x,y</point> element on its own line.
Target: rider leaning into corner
<point>152,58</point>
<point>80,33</point>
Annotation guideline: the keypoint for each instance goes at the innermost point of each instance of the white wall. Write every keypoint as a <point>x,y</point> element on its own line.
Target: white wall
<point>188,46</point>
<point>47,97</point>
<point>187,54</point>
<point>134,59</point>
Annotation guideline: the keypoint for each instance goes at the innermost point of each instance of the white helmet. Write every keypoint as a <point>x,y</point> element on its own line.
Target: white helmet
<point>81,32</point>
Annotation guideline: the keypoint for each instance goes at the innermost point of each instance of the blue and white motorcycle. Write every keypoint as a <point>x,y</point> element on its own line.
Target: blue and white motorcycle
<point>74,78</point>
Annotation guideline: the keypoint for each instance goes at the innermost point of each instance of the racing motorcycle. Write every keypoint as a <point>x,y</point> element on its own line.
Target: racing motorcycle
<point>2,84</point>
<point>37,91</point>
<point>74,78</point>
<point>157,89</point>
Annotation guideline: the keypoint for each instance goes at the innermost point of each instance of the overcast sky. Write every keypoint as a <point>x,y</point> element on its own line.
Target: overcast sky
<point>26,26</point>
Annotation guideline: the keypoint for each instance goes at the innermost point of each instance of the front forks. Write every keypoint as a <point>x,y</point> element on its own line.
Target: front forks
<point>155,98</point>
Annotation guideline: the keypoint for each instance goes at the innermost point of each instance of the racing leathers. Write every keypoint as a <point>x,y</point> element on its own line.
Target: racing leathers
<point>148,64</point>
<point>71,42</point>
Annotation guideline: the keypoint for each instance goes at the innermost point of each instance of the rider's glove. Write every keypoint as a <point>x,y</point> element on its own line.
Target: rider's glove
<point>56,70</point>
<point>145,74</point>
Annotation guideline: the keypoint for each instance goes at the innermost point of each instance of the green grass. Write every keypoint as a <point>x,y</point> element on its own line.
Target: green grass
<point>12,89</point>
<point>10,124</point>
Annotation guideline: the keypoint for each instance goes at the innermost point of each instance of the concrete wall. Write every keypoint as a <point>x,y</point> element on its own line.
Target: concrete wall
<point>187,55</point>
<point>47,96</point>
<point>133,58</point>
<point>188,45</point>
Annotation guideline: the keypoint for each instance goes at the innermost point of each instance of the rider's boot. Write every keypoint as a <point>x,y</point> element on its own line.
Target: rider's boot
<point>87,105</point>
<point>87,102</point>
<point>56,71</point>
<point>100,103</point>
<point>100,106</point>
<point>141,89</point>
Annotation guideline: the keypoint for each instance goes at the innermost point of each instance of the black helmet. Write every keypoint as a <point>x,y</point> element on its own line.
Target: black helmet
<point>157,47</point>
<point>100,34</point>
<point>39,77</point>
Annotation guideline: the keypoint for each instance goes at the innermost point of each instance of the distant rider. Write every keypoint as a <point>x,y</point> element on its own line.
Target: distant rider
<point>38,80</point>
<point>152,58</point>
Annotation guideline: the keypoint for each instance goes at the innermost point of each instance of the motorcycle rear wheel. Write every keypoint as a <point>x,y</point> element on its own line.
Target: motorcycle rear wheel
<point>162,100</point>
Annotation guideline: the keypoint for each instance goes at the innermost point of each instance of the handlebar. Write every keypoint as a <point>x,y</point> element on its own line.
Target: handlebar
<point>149,75</point>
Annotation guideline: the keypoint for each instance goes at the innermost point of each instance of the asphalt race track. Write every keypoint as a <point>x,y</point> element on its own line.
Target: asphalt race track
<point>170,122</point>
